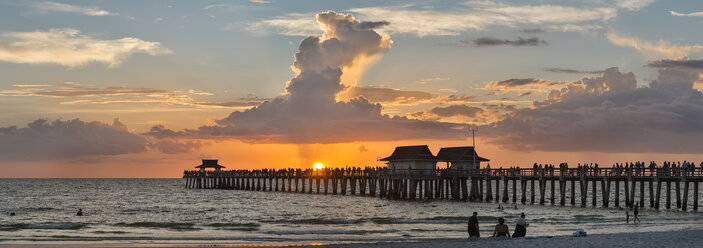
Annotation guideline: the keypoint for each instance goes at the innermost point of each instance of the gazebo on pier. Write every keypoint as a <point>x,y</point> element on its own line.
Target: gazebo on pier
<point>418,158</point>
<point>461,158</point>
<point>209,163</point>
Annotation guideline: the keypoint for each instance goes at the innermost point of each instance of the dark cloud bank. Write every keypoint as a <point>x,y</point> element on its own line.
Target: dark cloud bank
<point>42,139</point>
<point>610,114</point>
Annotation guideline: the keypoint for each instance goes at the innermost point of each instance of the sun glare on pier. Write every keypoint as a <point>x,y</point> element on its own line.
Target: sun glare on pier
<point>318,166</point>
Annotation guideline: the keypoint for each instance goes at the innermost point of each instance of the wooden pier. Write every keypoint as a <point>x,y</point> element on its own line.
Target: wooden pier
<point>476,185</point>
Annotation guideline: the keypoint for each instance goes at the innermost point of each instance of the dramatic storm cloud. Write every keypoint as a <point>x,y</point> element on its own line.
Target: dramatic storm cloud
<point>42,139</point>
<point>310,112</point>
<point>610,114</point>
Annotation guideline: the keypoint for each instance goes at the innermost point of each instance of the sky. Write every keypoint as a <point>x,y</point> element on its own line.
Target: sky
<point>147,89</point>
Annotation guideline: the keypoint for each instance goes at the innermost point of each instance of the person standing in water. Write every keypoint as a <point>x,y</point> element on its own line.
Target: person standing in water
<point>501,229</point>
<point>521,226</point>
<point>473,226</point>
<point>80,212</point>
<point>636,211</point>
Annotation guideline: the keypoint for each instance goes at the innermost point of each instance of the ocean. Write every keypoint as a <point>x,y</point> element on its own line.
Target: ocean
<point>162,211</point>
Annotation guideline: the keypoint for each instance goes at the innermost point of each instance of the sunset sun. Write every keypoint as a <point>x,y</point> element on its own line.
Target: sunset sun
<point>318,166</point>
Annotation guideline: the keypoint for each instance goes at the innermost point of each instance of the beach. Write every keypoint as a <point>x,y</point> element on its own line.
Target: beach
<point>684,238</point>
<point>679,239</point>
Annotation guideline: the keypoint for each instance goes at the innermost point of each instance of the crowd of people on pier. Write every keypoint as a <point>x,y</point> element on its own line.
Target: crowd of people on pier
<point>668,168</point>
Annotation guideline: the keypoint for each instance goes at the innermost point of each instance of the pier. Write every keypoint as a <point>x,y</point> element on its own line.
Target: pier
<point>581,186</point>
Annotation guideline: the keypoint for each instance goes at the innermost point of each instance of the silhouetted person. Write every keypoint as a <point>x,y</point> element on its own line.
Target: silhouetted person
<point>12,213</point>
<point>627,217</point>
<point>80,212</point>
<point>473,226</point>
<point>501,229</point>
<point>521,226</point>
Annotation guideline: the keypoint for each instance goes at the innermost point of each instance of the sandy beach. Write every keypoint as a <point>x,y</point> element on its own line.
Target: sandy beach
<point>687,238</point>
<point>679,239</point>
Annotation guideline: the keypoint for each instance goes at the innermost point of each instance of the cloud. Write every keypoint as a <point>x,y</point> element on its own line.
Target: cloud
<point>479,15</point>
<point>434,79</point>
<point>610,114</point>
<point>363,149</point>
<point>426,21</point>
<point>309,111</point>
<point>692,14</point>
<point>259,1</point>
<point>62,7</point>
<point>654,50</point>
<point>531,30</point>
<point>680,70</point>
<point>517,84</point>
<point>455,110</point>
<point>293,24</point>
<point>84,94</point>
<point>564,70</point>
<point>389,96</point>
<point>68,47</point>
<point>669,63</point>
<point>487,41</point>
<point>527,93</point>
<point>633,5</point>
<point>43,140</point>
<point>174,146</point>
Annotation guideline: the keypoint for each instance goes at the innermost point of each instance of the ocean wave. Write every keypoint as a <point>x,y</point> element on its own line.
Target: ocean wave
<point>20,226</point>
<point>316,221</point>
<point>235,226</point>
<point>169,225</point>
<point>323,232</point>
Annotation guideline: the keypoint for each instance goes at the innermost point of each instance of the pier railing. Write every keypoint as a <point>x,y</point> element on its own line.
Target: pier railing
<point>510,172</point>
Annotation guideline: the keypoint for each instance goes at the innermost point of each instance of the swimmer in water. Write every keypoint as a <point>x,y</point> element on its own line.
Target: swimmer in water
<point>80,212</point>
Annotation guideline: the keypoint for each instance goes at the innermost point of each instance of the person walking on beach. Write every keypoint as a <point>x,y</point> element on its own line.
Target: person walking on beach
<point>473,226</point>
<point>521,226</point>
<point>501,229</point>
<point>636,211</point>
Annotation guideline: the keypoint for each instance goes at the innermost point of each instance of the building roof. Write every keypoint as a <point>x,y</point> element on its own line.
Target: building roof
<point>410,153</point>
<point>464,153</point>
<point>209,163</point>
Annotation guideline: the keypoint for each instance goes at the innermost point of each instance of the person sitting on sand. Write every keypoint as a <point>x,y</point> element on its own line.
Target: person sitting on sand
<point>501,229</point>
<point>473,226</point>
<point>80,212</point>
<point>521,226</point>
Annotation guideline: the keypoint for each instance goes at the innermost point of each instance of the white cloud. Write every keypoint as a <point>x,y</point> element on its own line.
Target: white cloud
<point>62,7</point>
<point>654,50</point>
<point>294,24</point>
<point>259,1</point>
<point>86,94</point>
<point>693,14</point>
<point>68,47</point>
<point>633,5</point>
<point>475,16</point>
